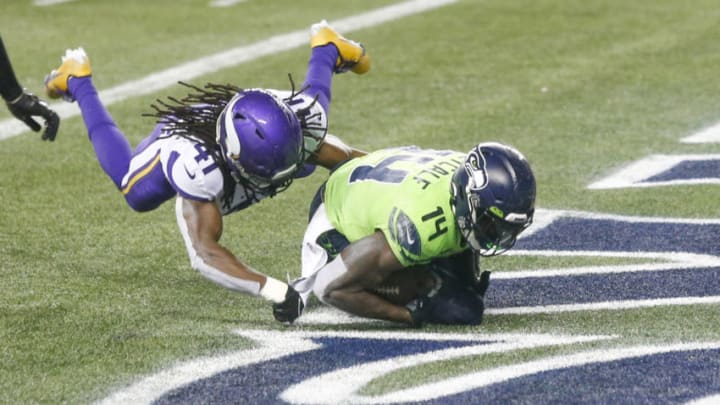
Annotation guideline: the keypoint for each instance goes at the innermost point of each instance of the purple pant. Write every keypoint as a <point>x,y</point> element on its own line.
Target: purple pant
<point>113,150</point>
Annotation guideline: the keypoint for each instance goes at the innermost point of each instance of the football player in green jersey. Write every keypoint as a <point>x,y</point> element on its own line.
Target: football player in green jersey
<point>408,209</point>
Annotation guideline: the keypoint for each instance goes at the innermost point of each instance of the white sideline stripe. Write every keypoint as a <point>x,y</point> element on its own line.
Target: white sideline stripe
<point>637,172</point>
<point>607,305</point>
<point>44,3</point>
<point>707,135</point>
<point>212,63</point>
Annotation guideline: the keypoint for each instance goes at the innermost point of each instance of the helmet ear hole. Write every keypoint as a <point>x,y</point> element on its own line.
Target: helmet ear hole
<point>259,134</point>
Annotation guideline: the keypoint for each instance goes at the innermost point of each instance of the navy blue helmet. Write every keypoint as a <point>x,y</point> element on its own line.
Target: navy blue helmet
<point>493,197</point>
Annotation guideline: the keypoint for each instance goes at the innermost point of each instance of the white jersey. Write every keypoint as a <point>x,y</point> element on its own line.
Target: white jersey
<point>194,174</point>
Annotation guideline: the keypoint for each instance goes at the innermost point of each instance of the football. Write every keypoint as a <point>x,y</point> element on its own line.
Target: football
<point>405,285</point>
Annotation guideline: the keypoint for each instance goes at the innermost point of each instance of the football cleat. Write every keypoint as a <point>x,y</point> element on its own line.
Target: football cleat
<point>75,63</point>
<point>351,55</point>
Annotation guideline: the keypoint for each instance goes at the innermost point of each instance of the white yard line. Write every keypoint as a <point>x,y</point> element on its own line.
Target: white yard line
<point>212,63</point>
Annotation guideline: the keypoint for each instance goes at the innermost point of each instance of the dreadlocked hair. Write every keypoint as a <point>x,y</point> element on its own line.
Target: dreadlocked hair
<point>305,117</point>
<point>194,117</point>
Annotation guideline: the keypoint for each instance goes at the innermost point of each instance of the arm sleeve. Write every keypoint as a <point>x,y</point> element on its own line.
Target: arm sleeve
<point>208,271</point>
<point>9,87</point>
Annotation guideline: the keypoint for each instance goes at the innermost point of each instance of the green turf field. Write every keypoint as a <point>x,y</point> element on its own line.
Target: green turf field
<point>96,296</point>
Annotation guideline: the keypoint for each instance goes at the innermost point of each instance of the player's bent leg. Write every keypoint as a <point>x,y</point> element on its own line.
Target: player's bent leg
<point>147,188</point>
<point>326,275</point>
<point>145,185</point>
<point>112,149</point>
<point>351,55</point>
<point>72,80</point>
<point>321,243</point>
<point>318,79</point>
<point>75,63</point>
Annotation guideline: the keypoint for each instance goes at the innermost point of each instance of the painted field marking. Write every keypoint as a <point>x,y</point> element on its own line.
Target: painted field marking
<point>212,63</point>
<point>636,174</point>
<point>343,385</point>
<point>497,375</point>
<point>45,3</point>
<point>670,260</point>
<point>604,306</point>
<point>325,315</point>
<point>709,400</point>
<point>707,135</point>
<point>275,344</point>
<point>657,261</point>
<point>150,388</point>
<point>225,3</point>
<point>547,216</point>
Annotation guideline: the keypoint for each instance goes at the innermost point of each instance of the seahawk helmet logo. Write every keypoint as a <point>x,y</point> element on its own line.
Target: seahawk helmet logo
<point>476,168</point>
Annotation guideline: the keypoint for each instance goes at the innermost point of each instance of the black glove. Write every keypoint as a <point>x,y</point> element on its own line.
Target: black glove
<point>482,284</point>
<point>420,309</point>
<point>28,105</point>
<point>290,309</point>
<point>452,302</point>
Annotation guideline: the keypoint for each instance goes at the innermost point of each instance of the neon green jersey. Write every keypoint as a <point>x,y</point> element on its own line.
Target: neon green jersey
<point>403,192</point>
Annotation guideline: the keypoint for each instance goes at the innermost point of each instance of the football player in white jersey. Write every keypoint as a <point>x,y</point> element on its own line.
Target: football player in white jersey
<point>219,150</point>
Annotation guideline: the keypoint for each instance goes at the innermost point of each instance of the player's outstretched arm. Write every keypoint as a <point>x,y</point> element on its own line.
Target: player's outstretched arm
<point>332,152</point>
<point>201,226</point>
<point>22,104</point>
<point>368,261</point>
<point>27,106</point>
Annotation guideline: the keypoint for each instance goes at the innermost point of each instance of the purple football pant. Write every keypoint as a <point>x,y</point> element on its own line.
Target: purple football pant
<point>147,187</point>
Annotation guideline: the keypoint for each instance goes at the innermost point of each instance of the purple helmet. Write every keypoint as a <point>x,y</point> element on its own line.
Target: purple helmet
<point>260,139</point>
